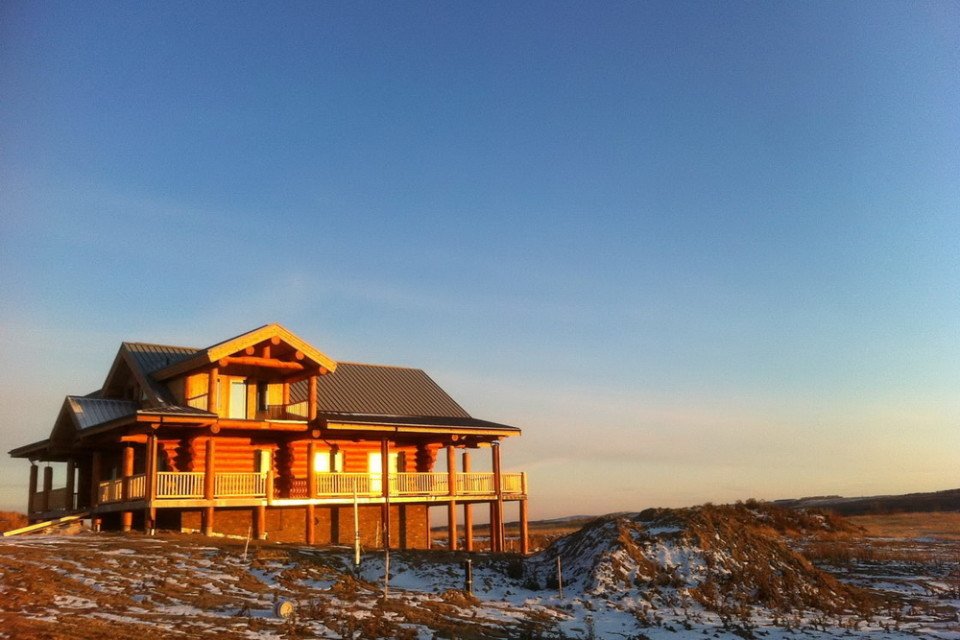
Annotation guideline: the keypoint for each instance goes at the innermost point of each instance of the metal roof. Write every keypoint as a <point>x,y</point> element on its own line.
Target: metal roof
<point>369,389</point>
<point>153,357</point>
<point>89,412</point>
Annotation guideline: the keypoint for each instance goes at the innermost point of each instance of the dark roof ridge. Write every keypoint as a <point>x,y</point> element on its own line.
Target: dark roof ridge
<point>380,366</point>
<point>157,344</point>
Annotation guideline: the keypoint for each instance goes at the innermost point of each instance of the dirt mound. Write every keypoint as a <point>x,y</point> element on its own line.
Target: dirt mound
<point>724,558</point>
<point>10,520</point>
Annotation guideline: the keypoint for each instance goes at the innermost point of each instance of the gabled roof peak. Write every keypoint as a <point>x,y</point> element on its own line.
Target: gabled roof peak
<point>274,333</point>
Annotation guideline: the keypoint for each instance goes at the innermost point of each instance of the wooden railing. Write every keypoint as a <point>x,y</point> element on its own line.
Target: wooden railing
<point>110,491</point>
<point>138,486</point>
<point>180,484</point>
<point>512,483</point>
<point>416,484</point>
<point>475,484</point>
<point>240,484</point>
<point>190,485</point>
<point>58,500</point>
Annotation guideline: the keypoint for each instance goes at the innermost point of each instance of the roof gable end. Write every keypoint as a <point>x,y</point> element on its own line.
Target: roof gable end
<point>274,333</point>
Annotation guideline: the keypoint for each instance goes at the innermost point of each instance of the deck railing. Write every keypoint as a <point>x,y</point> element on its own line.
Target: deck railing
<point>138,486</point>
<point>190,485</point>
<point>240,484</point>
<point>180,484</point>
<point>511,483</point>
<point>475,484</point>
<point>415,484</point>
<point>110,491</point>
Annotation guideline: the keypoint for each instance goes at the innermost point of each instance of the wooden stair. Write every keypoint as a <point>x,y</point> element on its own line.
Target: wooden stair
<point>39,526</point>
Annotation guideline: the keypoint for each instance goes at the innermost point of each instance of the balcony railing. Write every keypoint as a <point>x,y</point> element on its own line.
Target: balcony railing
<point>240,484</point>
<point>190,485</point>
<point>180,484</point>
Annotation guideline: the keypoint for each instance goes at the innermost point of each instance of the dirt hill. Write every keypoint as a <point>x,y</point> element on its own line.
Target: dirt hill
<point>725,558</point>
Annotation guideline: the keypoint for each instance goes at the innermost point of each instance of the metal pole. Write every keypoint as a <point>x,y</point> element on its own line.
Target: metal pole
<point>468,576</point>
<point>559,577</point>
<point>356,530</point>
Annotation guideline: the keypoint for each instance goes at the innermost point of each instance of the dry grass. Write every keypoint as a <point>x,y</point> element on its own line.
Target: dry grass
<point>10,520</point>
<point>943,525</point>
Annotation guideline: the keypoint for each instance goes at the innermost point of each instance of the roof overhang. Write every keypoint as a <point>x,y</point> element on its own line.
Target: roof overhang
<point>417,425</point>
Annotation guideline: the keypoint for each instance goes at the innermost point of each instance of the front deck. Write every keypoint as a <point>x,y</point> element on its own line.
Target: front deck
<point>195,489</point>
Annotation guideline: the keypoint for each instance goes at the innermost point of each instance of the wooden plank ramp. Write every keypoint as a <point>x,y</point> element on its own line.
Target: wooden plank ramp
<point>38,526</point>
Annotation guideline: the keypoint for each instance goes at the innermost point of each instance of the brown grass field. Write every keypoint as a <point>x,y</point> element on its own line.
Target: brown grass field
<point>943,525</point>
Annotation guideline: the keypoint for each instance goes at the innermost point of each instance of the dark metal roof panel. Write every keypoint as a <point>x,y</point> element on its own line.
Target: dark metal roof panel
<point>89,412</point>
<point>153,357</point>
<point>368,389</point>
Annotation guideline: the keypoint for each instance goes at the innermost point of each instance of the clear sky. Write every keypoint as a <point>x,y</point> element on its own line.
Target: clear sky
<point>697,251</point>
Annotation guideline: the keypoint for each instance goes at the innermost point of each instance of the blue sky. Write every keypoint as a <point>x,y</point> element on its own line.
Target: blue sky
<point>698,251</point>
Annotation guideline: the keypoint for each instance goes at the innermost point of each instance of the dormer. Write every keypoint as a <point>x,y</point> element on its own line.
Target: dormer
<point>249,377</point>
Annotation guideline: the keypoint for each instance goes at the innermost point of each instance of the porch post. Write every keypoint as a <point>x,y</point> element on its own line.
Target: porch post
<point>524,542</point>
<point>498,488</point>
<point>71,484</point>
<point>47,488</point>
<point>467,510</point>
<point>212,390</point>
<point>312,398</point>
<point>452,505</point>
<point>260,522</point>
<point>312,469</point>
<point>426,524</point>
<point>95,465</point>
<point>493,527</point>
<point>209,474</point>
<point>150,485</point>
<point>34,470</point>
<point>126,470</point>
<point>385,487</point>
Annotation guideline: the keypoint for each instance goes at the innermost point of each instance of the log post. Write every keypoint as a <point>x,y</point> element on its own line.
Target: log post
<point>126,470</point>
<point>498,489</point>
<point>209,477</point>
<point>467,510</point>
<point>493,527</point>
<point>452,490</point>
<point>34,470</point>
<point>260,522</point>
<point>212,390</point>
<point>426,524</point>
<point>47,488</point>
<point>312,470</point>
<point>150,485</point>
<point>71,484</point>
<point>312,399</point>
<point>524,541</point>
<point>95,465</point>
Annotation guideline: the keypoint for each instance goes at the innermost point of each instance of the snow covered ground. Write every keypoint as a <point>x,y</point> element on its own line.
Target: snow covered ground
<point>623,578</point>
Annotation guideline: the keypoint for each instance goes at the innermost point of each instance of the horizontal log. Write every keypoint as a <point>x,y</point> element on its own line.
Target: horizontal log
<point>254,361</point>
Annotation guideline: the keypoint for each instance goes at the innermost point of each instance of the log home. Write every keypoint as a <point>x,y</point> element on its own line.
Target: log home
<point>263,433</point>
